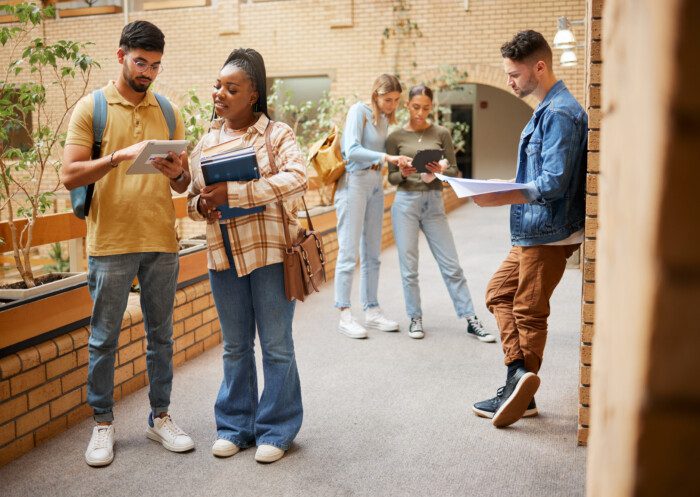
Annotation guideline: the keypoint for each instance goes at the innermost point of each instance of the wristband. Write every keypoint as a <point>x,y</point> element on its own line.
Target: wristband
<point>179,176</point>
<point>111,160</point>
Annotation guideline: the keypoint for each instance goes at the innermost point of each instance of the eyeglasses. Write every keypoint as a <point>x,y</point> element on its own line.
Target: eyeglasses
<point>142,66</point>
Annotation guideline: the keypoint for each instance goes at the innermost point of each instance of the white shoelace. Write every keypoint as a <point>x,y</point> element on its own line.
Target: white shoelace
<point>102,438</point>
<point>170,425</point>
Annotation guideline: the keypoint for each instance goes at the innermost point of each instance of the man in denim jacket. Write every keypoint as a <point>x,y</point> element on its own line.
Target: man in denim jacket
<point>546,222</point>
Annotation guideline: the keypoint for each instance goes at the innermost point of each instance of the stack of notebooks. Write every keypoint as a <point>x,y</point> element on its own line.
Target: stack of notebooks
<point>232,165</point>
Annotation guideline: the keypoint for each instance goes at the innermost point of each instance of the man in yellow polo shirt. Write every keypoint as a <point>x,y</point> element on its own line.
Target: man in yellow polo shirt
<point>130,233</point>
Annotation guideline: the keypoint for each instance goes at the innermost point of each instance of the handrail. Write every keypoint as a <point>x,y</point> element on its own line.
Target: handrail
<point>63,226</point>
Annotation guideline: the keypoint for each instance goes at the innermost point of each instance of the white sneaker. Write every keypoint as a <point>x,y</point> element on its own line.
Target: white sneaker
<point>268,453</point>
<point>415,329</point>
<point>170,435</point>
<point>374,318</point>
<point>224,448</point>
<point>349,327</point>
<point>100,451</point>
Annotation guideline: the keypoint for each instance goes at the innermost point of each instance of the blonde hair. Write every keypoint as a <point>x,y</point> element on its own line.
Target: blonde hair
<point>386,83</point>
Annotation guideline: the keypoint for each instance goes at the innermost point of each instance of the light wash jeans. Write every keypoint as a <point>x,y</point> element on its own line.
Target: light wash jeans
<point>109,281</point>
<point>359,204</point>
<point>242,303</point>
<point>414,211</point>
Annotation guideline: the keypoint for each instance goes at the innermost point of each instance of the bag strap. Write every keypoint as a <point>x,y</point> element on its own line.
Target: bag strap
<point>99,121</point>
<point>273,166</point>
<point>168,113</point>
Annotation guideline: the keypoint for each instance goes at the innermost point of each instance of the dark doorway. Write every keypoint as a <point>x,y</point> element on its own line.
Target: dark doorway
<point>464,114</point>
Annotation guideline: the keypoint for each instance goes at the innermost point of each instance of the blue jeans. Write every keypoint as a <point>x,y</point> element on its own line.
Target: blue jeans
<point>359,204</point>
<point>414,211</point>
<point>109,281</point>
<point>242,303</point>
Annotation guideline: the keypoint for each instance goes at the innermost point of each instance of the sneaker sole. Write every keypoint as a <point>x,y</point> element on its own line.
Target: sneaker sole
<point>98,464</point>
<point>351,335</point>
<point>514,408</point>
<point>381,328</point>
<point>489,339</point>
<point>269,459</point>
<point>417,336</point>
<point>231,451</point>
<point>172,448</point>
<point>529,413</point>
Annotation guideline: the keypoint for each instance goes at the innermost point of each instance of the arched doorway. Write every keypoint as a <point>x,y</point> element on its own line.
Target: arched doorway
<point>495,119</point>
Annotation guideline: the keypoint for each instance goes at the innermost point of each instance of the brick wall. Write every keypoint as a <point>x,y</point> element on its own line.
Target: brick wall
<point>341,39</point>
<point>594,61</point>
<point>42,388</point>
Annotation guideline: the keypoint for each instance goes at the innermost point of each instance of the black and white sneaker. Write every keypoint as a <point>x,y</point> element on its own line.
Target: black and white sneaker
<point>512,400</point>
<point>476,329</point>
<point>415,329</point>
<point>487,408</point>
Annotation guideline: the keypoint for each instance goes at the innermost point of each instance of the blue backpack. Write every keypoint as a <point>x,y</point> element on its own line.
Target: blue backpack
<point>81,197</point>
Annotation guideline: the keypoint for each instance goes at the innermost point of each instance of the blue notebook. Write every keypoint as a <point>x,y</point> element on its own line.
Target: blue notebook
<point>237,165</point>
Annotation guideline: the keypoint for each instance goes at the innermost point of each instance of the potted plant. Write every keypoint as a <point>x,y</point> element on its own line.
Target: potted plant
<point>32,130</point>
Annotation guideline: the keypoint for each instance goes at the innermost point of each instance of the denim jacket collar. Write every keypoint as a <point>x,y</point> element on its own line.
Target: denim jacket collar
<point>553,91</point>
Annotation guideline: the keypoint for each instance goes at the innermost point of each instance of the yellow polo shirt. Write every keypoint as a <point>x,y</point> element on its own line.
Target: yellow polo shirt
<point>134,212</point>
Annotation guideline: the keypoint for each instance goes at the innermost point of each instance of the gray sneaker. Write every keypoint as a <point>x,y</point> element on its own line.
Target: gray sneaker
<point>415,329</point>
<point>476,329</point>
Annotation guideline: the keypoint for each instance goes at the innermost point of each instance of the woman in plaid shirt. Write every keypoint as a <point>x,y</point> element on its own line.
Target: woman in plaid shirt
<point>245,264</point>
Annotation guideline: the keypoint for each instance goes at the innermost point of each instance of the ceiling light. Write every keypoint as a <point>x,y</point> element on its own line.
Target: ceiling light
<point>565,37</point>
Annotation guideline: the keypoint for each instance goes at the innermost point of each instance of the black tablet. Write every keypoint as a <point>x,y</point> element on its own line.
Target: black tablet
<point>424,157</point>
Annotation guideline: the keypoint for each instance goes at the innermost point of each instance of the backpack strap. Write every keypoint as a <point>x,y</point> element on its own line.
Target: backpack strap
<point>99,121</point>
<point>168,113</point>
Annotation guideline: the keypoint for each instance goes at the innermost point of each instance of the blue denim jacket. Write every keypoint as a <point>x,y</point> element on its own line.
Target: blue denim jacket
<point>552,162</point>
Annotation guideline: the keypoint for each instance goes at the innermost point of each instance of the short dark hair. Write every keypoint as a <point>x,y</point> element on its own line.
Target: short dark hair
<point>528,46</point>
<point>420,90</point>
<point>251,62</point>
<point>144,35</point>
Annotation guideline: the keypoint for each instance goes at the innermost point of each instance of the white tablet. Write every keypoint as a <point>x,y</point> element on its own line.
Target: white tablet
<point>143,164</point>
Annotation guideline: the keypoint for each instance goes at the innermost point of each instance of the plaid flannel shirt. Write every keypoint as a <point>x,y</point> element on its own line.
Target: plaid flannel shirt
<point>257,240</point>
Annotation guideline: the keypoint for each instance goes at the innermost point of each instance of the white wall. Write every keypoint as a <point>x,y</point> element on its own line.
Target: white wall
<point>496,133</point>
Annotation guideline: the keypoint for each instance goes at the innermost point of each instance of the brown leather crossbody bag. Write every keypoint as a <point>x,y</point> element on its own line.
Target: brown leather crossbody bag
<point>304,260</point>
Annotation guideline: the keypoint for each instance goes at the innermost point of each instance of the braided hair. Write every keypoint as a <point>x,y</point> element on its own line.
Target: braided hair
<point>251,62</point>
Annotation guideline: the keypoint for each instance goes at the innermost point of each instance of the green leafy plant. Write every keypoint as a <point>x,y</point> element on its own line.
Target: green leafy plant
<point>60,262</point>
<point>196,114</point>
<point>29,174</point>
<point>309,120</point>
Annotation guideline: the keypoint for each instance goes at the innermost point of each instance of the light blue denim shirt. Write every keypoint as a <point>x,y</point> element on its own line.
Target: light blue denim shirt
<point>552,162</point>
<point>363,143</point>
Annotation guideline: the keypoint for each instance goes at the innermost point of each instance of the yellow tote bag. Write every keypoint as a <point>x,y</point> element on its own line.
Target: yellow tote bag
<point>326,159</point>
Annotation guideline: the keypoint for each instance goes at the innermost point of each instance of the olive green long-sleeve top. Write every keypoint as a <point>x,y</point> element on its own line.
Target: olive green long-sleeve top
<point>404,142</point>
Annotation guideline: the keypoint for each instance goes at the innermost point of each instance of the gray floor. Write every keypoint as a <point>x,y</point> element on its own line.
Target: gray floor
<point>384,416</point>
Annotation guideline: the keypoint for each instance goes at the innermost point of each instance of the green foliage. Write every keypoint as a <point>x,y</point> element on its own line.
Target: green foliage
<point>309,120</point>
<point>60,263</point>
<point>196,115</point>
<point>36,67</point>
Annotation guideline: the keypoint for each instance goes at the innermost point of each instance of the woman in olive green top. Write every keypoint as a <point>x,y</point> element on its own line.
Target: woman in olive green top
<point>418,205</point>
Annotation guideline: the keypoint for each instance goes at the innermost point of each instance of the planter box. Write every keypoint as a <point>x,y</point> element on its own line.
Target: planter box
<point>24,293</point>
<point>36,318</point>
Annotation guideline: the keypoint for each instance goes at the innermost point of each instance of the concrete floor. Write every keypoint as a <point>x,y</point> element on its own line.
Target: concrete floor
<point>384,416</point>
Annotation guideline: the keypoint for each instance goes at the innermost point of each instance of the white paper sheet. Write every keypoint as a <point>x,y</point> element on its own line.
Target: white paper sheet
<point>470,187</point>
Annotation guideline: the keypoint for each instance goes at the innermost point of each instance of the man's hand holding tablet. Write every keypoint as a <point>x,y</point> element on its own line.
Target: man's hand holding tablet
<point>159,156</point>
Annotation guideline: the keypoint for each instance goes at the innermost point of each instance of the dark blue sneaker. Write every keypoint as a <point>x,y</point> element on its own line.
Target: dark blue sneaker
<point>512,400</point>
<point>476,329</point>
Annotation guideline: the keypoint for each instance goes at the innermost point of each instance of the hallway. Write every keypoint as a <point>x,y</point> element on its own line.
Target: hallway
<point>384,416</point>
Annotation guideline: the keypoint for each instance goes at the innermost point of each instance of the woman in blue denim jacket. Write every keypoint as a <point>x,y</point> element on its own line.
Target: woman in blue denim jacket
<point>359,203</point>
